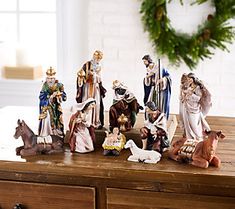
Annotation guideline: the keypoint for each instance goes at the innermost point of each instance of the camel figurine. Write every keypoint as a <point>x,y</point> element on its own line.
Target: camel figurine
<point>198,153</point>
<point>140,155</point>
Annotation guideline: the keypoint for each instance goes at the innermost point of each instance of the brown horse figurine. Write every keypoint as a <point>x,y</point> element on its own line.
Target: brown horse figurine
<point>198,153</point>
<point>34,144</point>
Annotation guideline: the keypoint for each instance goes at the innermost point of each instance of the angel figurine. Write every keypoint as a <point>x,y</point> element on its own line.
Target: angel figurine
<point>195,103</point>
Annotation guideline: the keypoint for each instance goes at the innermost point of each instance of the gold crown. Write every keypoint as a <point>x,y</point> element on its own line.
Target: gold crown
<point>51,72</point>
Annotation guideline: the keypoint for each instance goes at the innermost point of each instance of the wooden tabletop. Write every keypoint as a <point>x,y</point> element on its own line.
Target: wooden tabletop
<point>95,165</point>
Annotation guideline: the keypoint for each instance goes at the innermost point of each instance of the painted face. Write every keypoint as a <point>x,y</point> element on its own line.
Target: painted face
<point>190,81</point>
<point>146,63</point>
<point>50,81</point>
<point>97,58</point>
<point>92,105</point>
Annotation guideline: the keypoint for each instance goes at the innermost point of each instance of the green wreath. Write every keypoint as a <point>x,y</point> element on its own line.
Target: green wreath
<point>178,47</point>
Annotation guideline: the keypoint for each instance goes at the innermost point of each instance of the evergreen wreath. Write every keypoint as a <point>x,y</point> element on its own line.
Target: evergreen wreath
<point>178,47</point>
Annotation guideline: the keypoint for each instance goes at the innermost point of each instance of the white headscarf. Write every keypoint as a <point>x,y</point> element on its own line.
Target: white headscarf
<point>80,106</point>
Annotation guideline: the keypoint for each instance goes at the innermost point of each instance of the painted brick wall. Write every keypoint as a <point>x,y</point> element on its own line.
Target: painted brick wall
<point>115,28</point>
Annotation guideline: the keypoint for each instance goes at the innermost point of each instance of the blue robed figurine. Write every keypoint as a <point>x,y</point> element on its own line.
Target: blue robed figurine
<point>51,96</point>
<point>157,85</point>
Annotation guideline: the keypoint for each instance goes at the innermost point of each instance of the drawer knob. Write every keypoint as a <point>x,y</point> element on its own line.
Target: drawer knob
<point>18,206</point>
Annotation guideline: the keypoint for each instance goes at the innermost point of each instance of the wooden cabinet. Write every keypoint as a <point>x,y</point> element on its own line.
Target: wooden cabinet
<point>126,199</point>
<point>42,196</point>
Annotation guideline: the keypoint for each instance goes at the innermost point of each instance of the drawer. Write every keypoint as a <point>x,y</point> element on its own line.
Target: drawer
<point>126,199</point>
<point>45,196</point>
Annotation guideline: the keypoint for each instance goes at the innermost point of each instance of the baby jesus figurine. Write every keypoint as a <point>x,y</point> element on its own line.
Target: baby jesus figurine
<point>114,142</point>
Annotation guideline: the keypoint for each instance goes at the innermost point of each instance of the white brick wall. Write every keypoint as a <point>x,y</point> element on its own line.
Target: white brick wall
<point>115,28</point>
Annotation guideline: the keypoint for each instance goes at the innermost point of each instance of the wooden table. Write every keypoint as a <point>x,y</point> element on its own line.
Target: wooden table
<point>92,180</point>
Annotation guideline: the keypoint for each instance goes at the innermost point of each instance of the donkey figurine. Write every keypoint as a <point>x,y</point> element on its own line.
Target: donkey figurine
<point>198,153</point>
<point>34,144</point>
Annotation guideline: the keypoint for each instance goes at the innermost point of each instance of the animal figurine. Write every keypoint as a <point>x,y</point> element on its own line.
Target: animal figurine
<point>140,155</point>
<point>114,142</point>
<point>34,144</point>
<point>198,153</point>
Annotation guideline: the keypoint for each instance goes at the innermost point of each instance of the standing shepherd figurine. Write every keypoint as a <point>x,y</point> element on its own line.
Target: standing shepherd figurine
<point>157,85</point>
<point>51,96</point>
<point>89,85</point>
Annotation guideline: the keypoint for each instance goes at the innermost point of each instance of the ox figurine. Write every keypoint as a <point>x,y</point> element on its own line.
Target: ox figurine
<point>140,155</point>
<point>198,153</point>
<point>34,144</point>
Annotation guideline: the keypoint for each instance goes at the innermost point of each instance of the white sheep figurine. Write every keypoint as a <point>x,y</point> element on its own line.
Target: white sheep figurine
<point>140,155</point>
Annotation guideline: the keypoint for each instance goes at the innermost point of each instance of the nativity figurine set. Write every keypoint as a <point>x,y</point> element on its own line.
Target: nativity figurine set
<point>197,145</point>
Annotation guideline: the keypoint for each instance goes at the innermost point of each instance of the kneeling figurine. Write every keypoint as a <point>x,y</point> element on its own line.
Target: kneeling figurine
<point>82,132</point>
<point>154,134</point>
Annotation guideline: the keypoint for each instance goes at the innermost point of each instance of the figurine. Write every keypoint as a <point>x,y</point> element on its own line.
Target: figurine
<point>122,113</point>
<point>195,102</point>
<point>154,133</point>
<point>157,85</point>
<point>140,155</point>
<point>200,153</point>
<point>51,96</point>
<point>34,144</point>
<point>89,85</point>
<point>82,132</point>
<point>114,142</point>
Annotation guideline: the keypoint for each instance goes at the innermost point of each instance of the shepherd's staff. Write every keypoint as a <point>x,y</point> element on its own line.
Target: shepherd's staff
<point>158,86</point>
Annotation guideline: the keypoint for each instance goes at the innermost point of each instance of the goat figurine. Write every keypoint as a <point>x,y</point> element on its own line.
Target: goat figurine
<point>140,155</point>
<point>198,153</point>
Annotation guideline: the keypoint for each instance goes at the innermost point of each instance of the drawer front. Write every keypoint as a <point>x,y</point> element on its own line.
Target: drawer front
<point>126,199</point>
<point>45,196</point>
